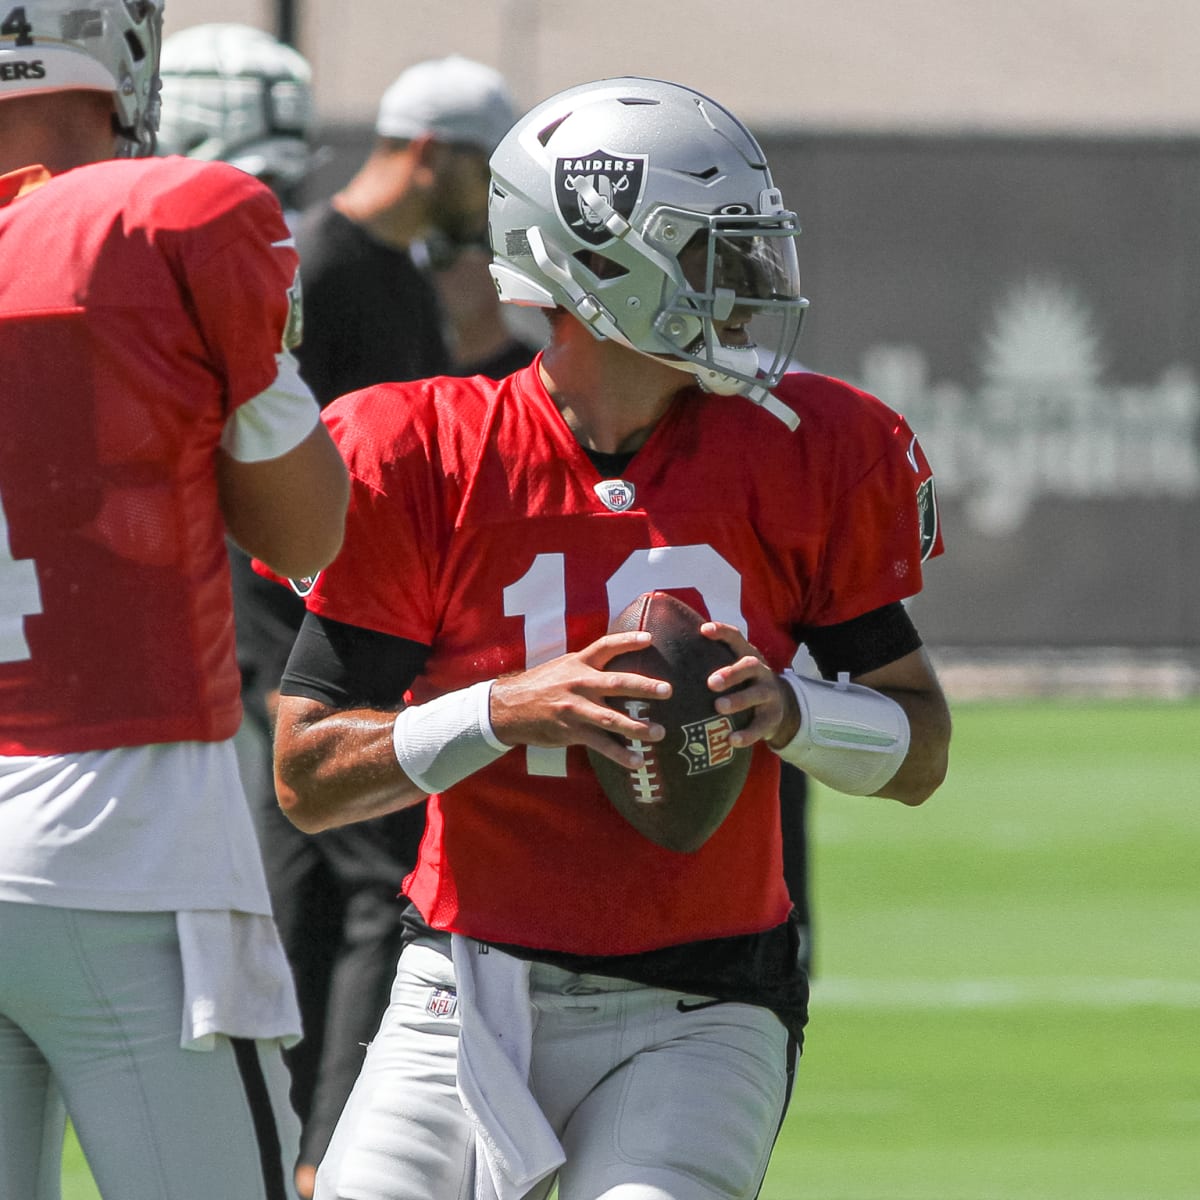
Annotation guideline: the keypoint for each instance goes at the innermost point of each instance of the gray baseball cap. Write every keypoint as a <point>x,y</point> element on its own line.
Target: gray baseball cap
<point>453,99</point>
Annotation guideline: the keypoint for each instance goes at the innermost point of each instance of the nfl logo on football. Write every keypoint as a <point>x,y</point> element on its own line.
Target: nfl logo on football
<point>706,744</point>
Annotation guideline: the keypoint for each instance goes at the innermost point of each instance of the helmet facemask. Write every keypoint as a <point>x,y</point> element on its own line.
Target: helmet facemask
<point>735,294</point>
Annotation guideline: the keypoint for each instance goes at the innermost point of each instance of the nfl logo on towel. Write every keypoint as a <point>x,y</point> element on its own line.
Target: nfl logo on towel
<point>441,1003</point>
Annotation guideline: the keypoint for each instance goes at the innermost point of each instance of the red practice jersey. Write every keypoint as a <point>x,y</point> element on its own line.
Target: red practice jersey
<point>141,302</point>
<point>479,526</point>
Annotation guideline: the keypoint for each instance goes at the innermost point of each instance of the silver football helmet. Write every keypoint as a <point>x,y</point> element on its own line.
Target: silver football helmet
<point>90,45</point>
<point>648,211</point>
<point>234,93</point>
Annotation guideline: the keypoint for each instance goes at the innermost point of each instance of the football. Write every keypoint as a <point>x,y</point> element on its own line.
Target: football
<point>691,779</point>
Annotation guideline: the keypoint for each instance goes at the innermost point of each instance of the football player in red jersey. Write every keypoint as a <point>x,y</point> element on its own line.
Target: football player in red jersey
<point>577,1004</point>
<point>149,403</point>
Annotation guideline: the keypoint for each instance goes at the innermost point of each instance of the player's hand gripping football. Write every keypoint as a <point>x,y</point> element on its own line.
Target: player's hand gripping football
<point>776,716</point>
<point>562,702</point>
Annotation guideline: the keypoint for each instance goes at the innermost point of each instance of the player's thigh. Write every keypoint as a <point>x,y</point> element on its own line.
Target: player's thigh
<point>692,1117</point>
<point>32,1118</point>
<point>195,1126</point>
<point>403,1134</point>
<point>155,1121</point>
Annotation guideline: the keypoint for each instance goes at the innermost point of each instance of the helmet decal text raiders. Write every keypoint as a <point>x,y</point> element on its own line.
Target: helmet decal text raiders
<point>617,179</point>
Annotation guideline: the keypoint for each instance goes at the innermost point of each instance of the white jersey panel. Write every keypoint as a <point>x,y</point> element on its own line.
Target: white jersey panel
<point>150,828</point>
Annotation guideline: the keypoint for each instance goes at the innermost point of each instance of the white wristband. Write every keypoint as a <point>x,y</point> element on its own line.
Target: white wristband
<point>851,737</point>
<point>441,742</point>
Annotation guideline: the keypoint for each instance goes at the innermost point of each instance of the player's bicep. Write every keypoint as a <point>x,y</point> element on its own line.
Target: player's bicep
<point>913,672</point>
<point>345,666</point>
<point>863,644</point>
<point>288,511</point>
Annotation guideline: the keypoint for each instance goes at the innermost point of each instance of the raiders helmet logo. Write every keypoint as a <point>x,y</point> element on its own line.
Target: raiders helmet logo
<point>927,514</point>
<point>615,494</point>
<point>706,744</point>
<point>588,186</point>
<point>293,330</point>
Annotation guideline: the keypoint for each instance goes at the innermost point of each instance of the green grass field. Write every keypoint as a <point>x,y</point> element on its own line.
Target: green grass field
<point>1008,996</point>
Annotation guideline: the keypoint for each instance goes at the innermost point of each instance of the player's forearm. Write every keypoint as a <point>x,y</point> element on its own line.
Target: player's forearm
<point>337,767</point>
<point>912,683</point>
<point>884,733</point>
<point>925,764</point>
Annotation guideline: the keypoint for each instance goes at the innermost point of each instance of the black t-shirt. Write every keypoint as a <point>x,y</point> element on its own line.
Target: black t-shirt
<point>370,315</point>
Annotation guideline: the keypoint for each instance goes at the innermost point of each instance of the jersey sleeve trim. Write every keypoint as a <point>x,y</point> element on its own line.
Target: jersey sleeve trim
<point>275,421</point>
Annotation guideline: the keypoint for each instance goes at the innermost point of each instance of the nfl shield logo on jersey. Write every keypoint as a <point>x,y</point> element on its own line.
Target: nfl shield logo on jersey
<point>441,1003</point>
<point>616,494</point>
<point>303,586</point>
<point>706,744</point>
<point>586,186</point>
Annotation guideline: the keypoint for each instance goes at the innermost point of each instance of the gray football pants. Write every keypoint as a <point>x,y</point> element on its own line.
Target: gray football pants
<point>91,1009</point>
<point>650,1102</point>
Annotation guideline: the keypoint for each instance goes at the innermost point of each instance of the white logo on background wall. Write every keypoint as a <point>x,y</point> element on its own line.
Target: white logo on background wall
<point>1047,419</point>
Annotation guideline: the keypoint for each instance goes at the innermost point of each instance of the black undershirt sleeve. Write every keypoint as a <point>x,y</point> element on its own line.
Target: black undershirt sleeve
<point>863,643</point>
<point>346,666</point>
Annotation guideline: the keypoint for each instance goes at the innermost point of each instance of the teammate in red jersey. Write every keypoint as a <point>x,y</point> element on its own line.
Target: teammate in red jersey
<point>576,1003</point>
<point>148,404</point>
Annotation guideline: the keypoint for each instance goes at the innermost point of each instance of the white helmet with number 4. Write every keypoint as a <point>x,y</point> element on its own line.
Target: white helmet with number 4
<point>648,211</point>
<point>89,45</point>
<point>236,94</point>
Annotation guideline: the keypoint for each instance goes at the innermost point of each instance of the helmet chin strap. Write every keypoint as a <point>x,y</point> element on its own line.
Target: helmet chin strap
<point>756,393</point>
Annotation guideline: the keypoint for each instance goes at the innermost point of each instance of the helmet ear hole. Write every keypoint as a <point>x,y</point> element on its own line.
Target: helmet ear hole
<point>600,265</point>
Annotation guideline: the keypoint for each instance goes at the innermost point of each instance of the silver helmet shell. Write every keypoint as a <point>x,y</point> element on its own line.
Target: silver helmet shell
<point>90,45</point>
<point>648,211</point>
<point>236,94</point>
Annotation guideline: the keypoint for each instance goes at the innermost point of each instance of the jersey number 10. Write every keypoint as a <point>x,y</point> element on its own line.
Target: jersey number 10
<point>540,597</point>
